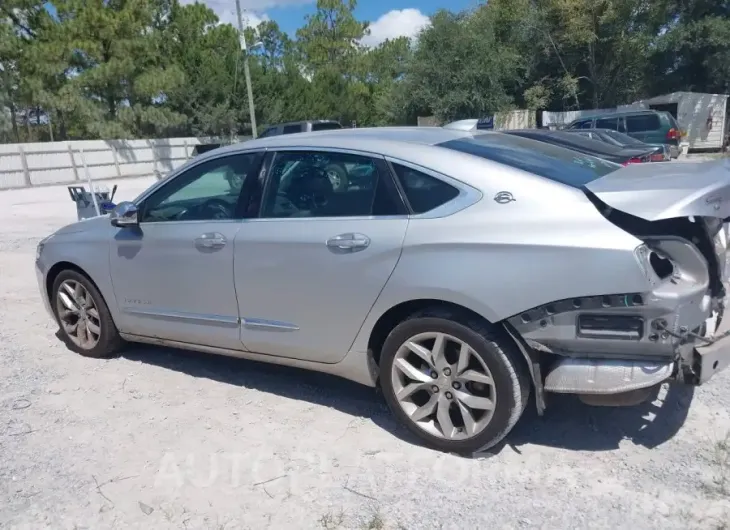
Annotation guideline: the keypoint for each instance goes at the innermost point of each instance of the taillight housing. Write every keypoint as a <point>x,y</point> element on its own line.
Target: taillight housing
<point>674,134</point>
<point>632,160</point>
<point>657,157</point>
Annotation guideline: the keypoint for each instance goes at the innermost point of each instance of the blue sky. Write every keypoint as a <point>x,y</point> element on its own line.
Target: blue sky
<point>388,18</point>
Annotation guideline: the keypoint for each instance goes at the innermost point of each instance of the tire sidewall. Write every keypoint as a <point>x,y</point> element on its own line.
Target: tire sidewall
<point>107,333</point>
<point>505,379</point>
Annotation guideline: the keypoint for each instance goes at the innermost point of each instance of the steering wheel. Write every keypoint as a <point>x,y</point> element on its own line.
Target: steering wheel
<point>216,208</point>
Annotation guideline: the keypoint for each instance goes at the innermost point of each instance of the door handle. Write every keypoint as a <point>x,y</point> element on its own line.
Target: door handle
<point>211,240</point>
<point>348,242</point>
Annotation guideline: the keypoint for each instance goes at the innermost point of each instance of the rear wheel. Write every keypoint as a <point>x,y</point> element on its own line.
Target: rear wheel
<point>86,325</point>
<point>457,385</point>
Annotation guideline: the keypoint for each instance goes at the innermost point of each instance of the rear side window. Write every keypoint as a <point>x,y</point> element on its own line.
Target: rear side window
<point>642,122</point>
<point>581,125</point>
<point>540,158</point>
<point>607,123</point>
<point>291,129</point>
<point>424,192</point>
<point>325,126</point>
<point>587,124</point>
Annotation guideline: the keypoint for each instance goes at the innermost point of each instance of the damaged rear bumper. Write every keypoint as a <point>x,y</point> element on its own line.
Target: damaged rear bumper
<point>713,356</point>
<point>698,359</point>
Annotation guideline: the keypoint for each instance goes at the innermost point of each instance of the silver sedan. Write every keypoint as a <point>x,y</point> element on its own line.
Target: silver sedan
<point>458,271</point>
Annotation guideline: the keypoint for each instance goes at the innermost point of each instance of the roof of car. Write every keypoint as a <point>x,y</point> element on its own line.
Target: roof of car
<point>626,112</point>
<point>385,140</point>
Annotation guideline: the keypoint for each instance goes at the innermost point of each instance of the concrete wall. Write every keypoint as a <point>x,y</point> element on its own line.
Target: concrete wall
<point>39,164</point>
<point>557,119</point>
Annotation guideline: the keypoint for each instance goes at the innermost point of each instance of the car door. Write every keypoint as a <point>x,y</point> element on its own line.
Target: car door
<point>312,263</point>
<point>173,274</point>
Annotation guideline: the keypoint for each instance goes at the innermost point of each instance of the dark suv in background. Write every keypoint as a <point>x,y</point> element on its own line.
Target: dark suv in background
<point>649,126</point>
<point>300,126</point>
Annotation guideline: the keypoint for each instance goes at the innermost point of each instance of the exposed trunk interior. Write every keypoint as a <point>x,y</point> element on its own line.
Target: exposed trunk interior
<point>700,231</point>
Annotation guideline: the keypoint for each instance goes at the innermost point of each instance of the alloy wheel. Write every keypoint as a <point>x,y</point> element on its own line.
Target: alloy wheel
<point>78,314</point>
<point>443,386</point>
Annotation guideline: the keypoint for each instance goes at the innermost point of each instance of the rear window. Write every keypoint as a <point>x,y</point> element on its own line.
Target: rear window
<point>642,122</point>
<point>325,126</point>
<point>549,161</point>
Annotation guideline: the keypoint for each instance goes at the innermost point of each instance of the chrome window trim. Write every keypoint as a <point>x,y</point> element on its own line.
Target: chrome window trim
<point>468,195</point>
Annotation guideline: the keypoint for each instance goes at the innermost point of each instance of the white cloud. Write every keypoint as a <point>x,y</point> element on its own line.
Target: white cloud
<point>396,23</point>
<point>253,9</point>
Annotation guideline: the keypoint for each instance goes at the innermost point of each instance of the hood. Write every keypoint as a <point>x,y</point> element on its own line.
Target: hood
<point>83,225</point>
<point>667,190</point>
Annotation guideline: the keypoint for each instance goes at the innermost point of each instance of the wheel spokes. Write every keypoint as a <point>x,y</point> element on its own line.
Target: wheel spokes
<point>422,352</point>
<point>443,385</point>
<point>78,314</point>
<point>411,371</point>
<point>443,417</point>
<point>476,377</point>
<point>425,410</point>
<point>474,402</point>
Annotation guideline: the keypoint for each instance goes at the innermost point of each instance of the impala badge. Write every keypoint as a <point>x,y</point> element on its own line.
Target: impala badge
<point>504,197</point>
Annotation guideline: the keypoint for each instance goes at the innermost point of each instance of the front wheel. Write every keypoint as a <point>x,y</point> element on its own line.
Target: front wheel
<point>86,325</point>
<point>460,387</point>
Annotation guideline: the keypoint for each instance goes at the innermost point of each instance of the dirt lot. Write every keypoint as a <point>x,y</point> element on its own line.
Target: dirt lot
<point>160,438</point>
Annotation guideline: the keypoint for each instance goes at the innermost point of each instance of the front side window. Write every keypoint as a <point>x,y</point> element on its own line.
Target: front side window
<point>424,192</point>
<point>327,184</point>
<point>208,191</point>
<point>587,124</point>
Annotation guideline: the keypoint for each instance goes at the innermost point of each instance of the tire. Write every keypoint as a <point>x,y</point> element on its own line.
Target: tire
<point>488,348</point>
<point>107,341</point>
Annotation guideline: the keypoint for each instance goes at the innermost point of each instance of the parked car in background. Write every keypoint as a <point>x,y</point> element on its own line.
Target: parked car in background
<point>588,146</point>
<point>299,127</point>
<point>473,271</point>
<point>660,153</point>
<point>649,126</point>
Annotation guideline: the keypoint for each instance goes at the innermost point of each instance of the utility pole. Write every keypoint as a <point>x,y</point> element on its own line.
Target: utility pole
<point>246,71</point>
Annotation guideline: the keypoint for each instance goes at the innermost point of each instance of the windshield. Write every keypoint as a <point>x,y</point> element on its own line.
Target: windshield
<point>549,161</point>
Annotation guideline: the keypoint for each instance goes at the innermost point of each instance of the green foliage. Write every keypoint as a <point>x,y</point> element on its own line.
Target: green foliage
<point>153,68</point>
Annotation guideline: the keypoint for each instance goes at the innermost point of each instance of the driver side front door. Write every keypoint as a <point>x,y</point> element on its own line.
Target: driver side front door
<point>173,274</point>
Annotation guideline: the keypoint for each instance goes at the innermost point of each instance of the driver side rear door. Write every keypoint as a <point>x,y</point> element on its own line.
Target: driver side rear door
<point>173,274</point>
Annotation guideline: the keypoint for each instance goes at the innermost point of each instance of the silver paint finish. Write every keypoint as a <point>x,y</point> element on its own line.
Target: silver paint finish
<point>186,283</point>
<point>664,190</point>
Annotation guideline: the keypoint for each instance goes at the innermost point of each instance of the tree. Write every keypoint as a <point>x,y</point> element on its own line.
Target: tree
<point>113,79</point>
<point>208,57</point>
<point>458,69</point>
<point>692,52</point>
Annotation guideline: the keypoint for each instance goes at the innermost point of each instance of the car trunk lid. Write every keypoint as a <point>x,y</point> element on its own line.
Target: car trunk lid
<point>667,190</point>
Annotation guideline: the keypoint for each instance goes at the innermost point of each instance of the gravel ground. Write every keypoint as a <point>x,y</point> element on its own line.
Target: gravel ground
<point>160,438</point>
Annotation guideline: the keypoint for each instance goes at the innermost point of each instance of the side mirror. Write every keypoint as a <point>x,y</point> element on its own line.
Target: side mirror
<point>124,214</point>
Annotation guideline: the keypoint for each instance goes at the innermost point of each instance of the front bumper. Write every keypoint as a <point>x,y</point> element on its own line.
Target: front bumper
<point>41,279</point>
